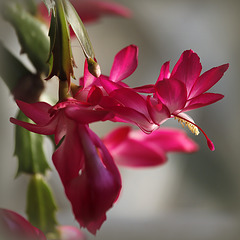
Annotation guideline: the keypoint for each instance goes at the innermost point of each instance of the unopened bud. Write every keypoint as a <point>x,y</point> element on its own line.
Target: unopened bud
<point>93,67</point>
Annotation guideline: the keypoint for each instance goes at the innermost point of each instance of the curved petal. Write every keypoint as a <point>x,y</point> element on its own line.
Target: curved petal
<point>88,79</point>
<point>108,85</point>
<point>47,129</point>
<point>86,116</point>
<point>38,112</point>
<point>132,116</point>
<point>94,95</point>
<point>157,111</point>
<point>14,226</point>
<point>172,140</point>
<point>164,73</point>
<point>150,88</point>
<point>187,69</point>
<point>207,80</point>
<point>202,100</point>
<point>68,158</point>
<point>115,137</point>
<point>133,148</point>
<point>96,188</point>
<point>172,93</point>
<point>134,153</point>
<point>129,98</point>
<point>124,64</point>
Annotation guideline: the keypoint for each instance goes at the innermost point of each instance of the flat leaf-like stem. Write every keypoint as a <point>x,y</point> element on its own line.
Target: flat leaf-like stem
<point>31,32</point>
<point>29,150</point>
<point>41,207</point>
<point>79,29</point>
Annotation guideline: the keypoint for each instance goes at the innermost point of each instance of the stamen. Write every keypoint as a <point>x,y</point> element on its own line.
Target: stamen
<point>194,129</point>
<point>191,126</point>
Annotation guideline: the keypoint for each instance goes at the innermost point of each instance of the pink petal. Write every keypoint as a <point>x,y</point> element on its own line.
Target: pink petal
<point>47,129</point>
<point>124,64</point>
<point>131,99</point>
<point>126,114</point>
<point>157,111</point>
<point>133,148</point>
<point>97,187</point>
<point>134,153</point>
<point>202,100</point>
<point>14,226</point>
<point>108,85</point>
<point>172,93</point>
<point>86,116</point>
<point>68,158</point>
<point>187,69</point>
<point>88,79</point>
<point>172,140</point>
<point>207,80</point>
<point>94,95</point>
<point>38,112</point>
<point>117,136</point>
<point>129,115</point>
<point>164,73</point>
<point>145,89</point>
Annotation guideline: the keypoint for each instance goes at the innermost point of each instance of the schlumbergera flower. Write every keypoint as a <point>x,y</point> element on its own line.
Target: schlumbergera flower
<point>90,177</point>
<point>173,94</point>
<point>84,162</point>
<point>185,89</point>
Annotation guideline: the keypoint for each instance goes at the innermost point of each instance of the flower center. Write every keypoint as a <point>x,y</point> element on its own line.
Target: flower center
<point>191,126</point>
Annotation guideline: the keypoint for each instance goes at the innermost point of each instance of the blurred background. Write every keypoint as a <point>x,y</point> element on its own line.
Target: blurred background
<point>191,197</point>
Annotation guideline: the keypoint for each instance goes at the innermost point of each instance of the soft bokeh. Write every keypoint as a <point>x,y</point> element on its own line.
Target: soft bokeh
<point>193,196</point>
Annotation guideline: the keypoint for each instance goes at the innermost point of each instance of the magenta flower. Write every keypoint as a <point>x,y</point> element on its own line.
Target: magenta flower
<point>125,103</point>
<point>182,90</point>
<point>14,226</point>
<point>90,177</point>
<point>134,148</point>
<point>91,10</point>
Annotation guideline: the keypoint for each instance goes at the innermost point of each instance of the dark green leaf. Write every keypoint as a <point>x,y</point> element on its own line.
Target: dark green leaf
<point>31,32</point>
<point>29,150</point>
<point>41,207</point>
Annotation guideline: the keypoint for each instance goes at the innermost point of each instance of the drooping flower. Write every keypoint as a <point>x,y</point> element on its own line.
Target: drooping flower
<point>134,148</point>
<point>90,177</point>
<point>14,226</point>
<point>184,89</point>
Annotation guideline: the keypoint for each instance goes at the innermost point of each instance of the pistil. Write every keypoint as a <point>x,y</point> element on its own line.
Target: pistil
<point>194,129</point>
